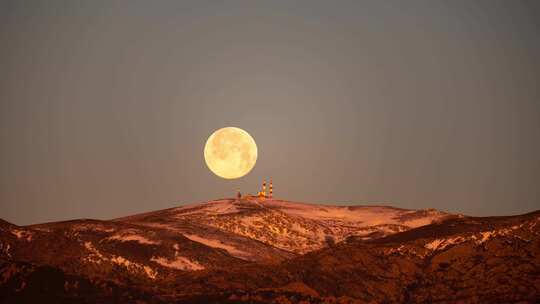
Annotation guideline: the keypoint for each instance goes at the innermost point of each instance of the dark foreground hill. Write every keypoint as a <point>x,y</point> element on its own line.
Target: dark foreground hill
<point>274,252</point>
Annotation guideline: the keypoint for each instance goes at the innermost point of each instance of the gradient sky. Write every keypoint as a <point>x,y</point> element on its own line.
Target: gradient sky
<point>105,106</point>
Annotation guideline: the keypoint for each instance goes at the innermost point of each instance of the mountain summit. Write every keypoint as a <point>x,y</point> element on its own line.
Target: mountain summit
<point>296,228</point>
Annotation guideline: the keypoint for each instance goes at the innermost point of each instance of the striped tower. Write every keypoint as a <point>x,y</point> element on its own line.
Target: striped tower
<point>271,189</point>
<point>264,188</point>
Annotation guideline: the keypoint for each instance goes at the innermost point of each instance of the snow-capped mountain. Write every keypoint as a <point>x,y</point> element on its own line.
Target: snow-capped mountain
<point>230,251</point>
<point>204,236</point>
<point>292,227</point>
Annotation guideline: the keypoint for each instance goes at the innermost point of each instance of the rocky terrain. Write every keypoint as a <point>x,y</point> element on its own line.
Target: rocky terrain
<point>273,251</point>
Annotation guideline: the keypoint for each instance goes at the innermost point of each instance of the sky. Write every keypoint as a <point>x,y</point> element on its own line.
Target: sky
<point>105,106</point>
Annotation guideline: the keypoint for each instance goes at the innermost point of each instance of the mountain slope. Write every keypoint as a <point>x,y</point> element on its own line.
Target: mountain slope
<point>293,227</point>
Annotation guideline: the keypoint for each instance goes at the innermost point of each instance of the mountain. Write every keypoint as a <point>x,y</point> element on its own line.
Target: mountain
<point>292,227</point>
<point>274,251</point>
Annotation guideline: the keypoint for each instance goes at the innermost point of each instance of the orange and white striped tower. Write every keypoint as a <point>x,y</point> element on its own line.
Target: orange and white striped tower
<point>270,190</point>
<point>264,188</point>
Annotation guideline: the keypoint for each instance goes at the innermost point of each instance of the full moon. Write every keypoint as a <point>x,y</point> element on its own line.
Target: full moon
<point>230,152</point>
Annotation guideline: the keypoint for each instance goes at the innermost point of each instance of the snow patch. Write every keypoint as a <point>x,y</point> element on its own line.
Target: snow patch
<point>43,229</point>
<point>132,237</point>
<point>95,256</point>
<point>22,234</point>
<point>360,215</point>
<point>217,244</point>
<point>440,244</point>
<point>422,221</point>
<point>486,236</point>
<point>478,238</point>
<point>434,244</point>
<point>132,266</point>
<point>179,262</point>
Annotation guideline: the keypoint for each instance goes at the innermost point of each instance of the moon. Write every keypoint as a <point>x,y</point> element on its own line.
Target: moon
<point>230,152</point>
